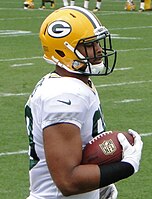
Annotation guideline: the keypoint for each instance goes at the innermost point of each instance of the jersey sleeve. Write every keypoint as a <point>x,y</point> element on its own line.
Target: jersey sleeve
<point>65,108</point>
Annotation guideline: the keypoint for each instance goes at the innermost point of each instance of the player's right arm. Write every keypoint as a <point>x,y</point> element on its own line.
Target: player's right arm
<point>62,145</point>
<point>63,151</point>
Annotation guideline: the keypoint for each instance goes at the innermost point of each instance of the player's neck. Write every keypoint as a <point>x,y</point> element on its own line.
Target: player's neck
<point>62,72</point>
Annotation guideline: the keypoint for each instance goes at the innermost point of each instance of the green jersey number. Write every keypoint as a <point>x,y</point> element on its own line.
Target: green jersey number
<point>29,123</point>
<point>98,120</point>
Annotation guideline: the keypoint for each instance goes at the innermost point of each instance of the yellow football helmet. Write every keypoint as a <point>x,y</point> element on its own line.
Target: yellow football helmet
<point>68,27</point>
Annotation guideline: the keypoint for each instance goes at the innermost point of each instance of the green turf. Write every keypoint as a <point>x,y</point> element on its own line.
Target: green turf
<point>133,41</point>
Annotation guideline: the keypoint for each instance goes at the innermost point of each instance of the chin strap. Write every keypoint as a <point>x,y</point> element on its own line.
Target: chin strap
<point>90,69</point>
<point>56,62</point>
<point>95,69</point>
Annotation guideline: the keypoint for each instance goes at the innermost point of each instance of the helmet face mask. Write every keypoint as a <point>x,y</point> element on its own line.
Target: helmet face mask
<point>67,46</point>
<point>105,66</point>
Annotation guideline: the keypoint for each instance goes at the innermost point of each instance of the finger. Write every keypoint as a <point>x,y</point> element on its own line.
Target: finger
<point>132,132</point>
<point>123,141</point>
<point>137,138</point>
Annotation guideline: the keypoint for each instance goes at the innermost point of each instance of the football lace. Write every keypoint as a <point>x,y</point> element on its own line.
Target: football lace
<point>99,136</point>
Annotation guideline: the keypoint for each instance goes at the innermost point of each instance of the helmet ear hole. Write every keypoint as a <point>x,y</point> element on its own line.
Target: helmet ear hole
<point>59,52</point>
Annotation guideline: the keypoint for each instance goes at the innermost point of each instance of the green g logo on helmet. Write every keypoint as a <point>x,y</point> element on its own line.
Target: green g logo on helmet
<point>59,29</point>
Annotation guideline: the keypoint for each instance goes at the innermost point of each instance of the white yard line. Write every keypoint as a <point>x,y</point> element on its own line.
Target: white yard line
<point>136,49</point>
<point>10,33</point>
<point>13,94</point>
<point>26,152</point>
<point>24,64</point>
<point>20,59</point>
<point>99,13</point>
<point>97,86</point>
<point>20,34</point>
<point>145,134</point>
<point>128,101</point>
<point>14,153</point>
<point>131,28</point>
<point>40,57</point>
<point>127,68</point>
<point>13,32</point>
<point>20,18</point>
<point>123,83</point>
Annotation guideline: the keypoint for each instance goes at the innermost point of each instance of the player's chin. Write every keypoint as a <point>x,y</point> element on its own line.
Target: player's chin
<point>96,61</point>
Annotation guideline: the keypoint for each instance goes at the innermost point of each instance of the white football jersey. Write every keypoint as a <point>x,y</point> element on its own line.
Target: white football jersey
<point>56,100</point>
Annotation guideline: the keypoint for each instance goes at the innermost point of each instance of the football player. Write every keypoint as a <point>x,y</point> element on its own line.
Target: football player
<point>52,4</point>
<point>96,9</point>
<point>130,5</point>
<point>145,5</point>
<point>66,2</point>
<point>29,4</point>
<point>64,112</point>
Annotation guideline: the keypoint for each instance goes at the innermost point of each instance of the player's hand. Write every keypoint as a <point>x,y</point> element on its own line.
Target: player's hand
<point>109,192</point>
<point>131,154</point>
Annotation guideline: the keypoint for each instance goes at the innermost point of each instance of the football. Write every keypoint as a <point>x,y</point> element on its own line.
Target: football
<point>104,148</point>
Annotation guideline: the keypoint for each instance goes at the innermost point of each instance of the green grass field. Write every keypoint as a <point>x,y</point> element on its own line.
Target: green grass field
<point>126,95</point>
